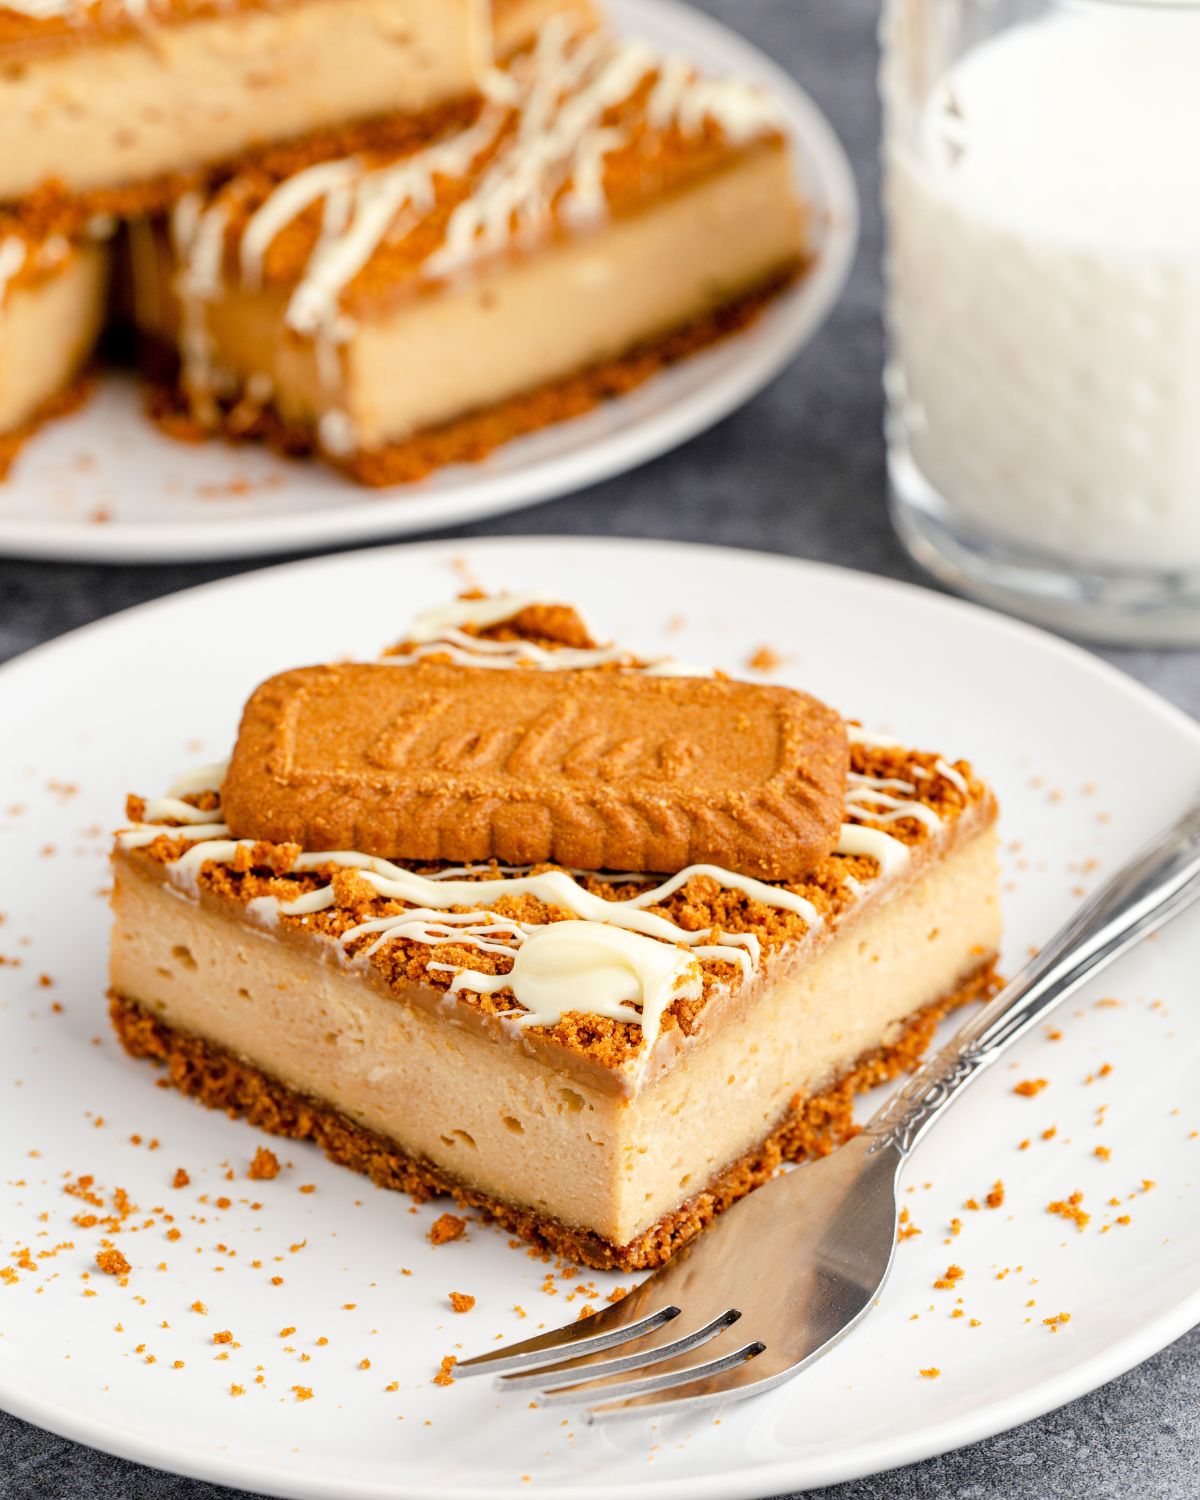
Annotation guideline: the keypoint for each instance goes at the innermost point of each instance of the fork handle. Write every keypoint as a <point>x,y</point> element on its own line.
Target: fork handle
<point>1155,885</point>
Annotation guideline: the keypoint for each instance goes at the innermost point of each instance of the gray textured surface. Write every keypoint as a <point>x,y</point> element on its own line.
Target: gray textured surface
<point>801,472</point>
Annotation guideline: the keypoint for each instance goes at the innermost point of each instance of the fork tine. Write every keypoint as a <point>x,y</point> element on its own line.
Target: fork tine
<point>716,1390</point>
<point>650,1384</point>
<point>554,1377</point>
<point>572,1341</point>
<point>720,1388</point>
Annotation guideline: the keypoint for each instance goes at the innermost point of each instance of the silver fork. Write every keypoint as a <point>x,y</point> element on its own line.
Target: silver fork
<point>786,1273</point>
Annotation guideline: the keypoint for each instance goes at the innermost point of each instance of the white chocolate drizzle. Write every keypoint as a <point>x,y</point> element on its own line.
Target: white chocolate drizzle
<point>580,966</point>
<point>955,778</point>
<point>207,778</point>
<point>47,10</point>
<point>75,11</point>
<point>432,624</point>
<point>871,798</point>
<point>857,735</point>
<point>890,854</point>
<point>214,836</point>
<point>469,651</point>
<point>866,797</point>
<point>198,239</point>
<point>438,632</point>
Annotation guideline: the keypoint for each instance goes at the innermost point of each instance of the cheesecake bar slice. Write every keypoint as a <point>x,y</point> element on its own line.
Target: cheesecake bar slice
<point>113,100</point>
<point>600,1060</point>
<point>607,212</point>
<point>52,307</point>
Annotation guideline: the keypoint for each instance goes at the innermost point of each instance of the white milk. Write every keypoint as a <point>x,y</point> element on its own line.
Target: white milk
<point>1045,284</point>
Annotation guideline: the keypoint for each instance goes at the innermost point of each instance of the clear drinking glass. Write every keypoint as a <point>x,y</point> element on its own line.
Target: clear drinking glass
<point>1043,381</point>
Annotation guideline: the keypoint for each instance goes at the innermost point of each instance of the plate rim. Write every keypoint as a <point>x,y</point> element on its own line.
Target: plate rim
<point>774,1477</point>
<point>784,331</point>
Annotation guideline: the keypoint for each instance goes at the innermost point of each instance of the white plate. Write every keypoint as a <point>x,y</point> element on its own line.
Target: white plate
<point>1086,763</point>
<point>104,485</point>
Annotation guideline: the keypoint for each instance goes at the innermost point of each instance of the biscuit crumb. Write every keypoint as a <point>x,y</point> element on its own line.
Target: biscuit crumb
<point>224,1336</point>
<point>264,1167</point>
<point>995,1199</point>
<point>461,1302</point>
<point>907,1230</point>
<point>112,1263</point>
<point>1070,1209</point>
<point>181,1178</point>
<point>443,1376</point>
<point>764,660</point>
<point>448,1227</point>
<point>952,1276</point>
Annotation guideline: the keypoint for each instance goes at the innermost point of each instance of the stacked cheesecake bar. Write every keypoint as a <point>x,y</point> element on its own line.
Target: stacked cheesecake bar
<point>590,944</point>
<point>396,232</point>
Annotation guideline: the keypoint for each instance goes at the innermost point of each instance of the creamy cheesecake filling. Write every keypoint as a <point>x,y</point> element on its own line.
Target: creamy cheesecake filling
<point>499,1116</point>
<point>171,97</point>
<point>49,325</point>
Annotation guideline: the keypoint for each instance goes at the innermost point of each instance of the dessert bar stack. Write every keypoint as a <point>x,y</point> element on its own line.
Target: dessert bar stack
<point>392,232</point>
<point>115,108</point>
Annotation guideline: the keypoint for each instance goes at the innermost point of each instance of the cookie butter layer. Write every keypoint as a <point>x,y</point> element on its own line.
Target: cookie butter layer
<point>52,303</point>
<point>603,200</point>
<point>524,1116</point>
<point>108,95</point>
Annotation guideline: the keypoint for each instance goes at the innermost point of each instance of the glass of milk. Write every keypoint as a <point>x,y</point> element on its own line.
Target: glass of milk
<point>1043,384</point>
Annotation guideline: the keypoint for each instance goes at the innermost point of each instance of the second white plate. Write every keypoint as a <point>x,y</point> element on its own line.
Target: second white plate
<point>104,485</point>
